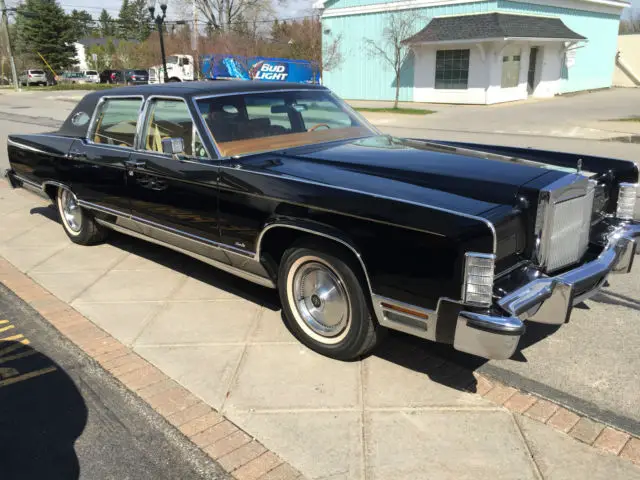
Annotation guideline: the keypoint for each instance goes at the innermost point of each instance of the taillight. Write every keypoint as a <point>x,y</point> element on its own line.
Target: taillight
<point>30,75</point>
<point>113,75</point>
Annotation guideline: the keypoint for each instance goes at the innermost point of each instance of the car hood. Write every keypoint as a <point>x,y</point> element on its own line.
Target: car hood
<point>443,176</point>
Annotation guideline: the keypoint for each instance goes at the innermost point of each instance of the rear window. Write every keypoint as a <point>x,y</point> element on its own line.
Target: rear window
<point>139,72</point>
<point>37,72</point>
<point>91,72</point>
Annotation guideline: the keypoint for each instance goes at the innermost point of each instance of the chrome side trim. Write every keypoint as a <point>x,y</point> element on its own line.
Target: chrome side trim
<point>100,208</point>
<point>416,326</point>
<point>28,182</point>
<point>222,266</point>
<point>53,183</point>
<point>191,236</point>
<point>33,149</point>
<point>314,232</point>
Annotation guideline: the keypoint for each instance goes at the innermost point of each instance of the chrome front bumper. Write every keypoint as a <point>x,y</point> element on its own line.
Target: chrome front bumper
<point>544,300</point>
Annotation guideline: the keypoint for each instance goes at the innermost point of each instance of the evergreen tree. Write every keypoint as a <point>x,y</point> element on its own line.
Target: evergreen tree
<point>44,28</point>
<point>107,26</point>
<point>126,26</point>
<point>134,20</point>
<point>83,24</point>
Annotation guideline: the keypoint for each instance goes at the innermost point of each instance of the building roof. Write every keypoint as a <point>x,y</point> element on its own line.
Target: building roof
<point>492,26</point>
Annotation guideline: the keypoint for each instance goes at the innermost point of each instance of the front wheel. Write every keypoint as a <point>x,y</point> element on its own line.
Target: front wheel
<point>79,226</point>
<point>324,303</point>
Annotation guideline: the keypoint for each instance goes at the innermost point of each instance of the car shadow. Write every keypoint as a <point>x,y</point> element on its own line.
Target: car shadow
<point>440,362</point>
<point>42,413</point>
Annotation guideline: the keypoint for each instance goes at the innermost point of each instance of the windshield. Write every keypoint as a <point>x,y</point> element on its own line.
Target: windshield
<point>138,72</point>
<point>256,122</point>
<point>91,72</point>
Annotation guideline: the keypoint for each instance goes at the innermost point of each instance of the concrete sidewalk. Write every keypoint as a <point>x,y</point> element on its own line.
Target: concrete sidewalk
<point>399,414</point>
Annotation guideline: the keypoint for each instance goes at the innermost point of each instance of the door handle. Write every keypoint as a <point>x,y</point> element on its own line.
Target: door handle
<point>135,163</point>
<point>77,154</point>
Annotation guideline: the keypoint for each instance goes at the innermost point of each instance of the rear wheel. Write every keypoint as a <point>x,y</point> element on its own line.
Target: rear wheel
<point>324,303</point>
<point>79,226</point>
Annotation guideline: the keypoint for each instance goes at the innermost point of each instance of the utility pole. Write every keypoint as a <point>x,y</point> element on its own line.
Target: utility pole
<point>5,24</point>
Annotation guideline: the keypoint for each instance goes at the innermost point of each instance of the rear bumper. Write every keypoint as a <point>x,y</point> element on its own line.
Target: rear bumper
<point>546,300</point>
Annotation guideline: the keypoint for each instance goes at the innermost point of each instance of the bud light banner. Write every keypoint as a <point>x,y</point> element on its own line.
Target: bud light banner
<point>218,67</point>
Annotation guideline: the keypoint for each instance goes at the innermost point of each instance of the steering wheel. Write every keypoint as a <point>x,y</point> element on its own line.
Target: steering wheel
<point>318,126</point>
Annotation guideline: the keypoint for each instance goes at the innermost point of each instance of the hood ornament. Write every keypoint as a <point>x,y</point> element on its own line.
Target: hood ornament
<point>579,166</point>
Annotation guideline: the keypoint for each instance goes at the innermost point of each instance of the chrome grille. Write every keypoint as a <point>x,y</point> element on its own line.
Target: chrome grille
<point>563,222</point>
<point>569,236</point>
<point>152,75</point>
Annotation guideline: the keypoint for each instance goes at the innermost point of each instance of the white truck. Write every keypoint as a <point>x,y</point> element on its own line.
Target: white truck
<point>179,69</point>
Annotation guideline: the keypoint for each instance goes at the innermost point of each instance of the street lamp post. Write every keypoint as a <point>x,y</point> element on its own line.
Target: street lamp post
<point>159,20</point>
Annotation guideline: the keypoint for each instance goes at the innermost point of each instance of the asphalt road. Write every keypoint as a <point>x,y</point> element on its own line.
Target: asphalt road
<point>63,417</point>
<point>590,365</point>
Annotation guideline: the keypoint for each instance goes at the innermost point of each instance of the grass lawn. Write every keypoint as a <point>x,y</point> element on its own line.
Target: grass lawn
<point>406,111</point>
<point>628,119</point>
<point>73,86</point>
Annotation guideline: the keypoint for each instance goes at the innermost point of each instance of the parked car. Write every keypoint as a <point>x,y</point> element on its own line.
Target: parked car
<point>285,186</point>
<point>91,76</point>
<point>111,76</point>
<point>136,77</point>
<point>32,77</point>
<point>71,78</point>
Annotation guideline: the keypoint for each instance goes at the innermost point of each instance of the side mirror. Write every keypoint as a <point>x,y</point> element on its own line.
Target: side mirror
<point>173,146</point>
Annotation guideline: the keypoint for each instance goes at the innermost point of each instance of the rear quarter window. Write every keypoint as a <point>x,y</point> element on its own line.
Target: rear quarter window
<point>115,122</point>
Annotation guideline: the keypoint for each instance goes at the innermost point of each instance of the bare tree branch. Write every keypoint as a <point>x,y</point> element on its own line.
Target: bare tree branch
<point>398,27</point>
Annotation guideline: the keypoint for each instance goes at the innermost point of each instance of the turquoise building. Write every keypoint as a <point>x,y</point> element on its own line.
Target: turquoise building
<point>470,51</point>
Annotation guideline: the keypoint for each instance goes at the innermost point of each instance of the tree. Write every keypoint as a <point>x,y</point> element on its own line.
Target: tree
<point>107,25</point>
<point>222,15</point>
<point>44,28</point>
<point>82,23</point>
<point>392,48</point>
<point>133,20</point>
<point>631,24</point>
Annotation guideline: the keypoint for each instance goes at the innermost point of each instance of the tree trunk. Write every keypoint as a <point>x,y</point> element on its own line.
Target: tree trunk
<point>395,103</point>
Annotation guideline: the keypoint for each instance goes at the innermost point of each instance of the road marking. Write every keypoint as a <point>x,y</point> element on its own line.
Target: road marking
<point>3,321</point>
<point>4,351</point>
<point>4,329</point>
<point>8,372</point>
<point>26,376</point>
<point>12,338</point>
<point>17,356</point>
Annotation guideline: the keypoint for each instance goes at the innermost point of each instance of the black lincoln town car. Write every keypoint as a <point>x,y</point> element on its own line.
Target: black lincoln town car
<point>285,186</point>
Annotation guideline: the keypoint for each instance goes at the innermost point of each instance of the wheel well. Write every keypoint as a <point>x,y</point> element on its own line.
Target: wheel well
<point>277,240</point>
<point>175,79</point>
<point>51,191</point>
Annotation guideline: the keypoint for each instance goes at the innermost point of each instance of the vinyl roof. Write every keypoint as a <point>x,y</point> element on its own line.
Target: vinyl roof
<point>493,25</point>
<point>190,89</point>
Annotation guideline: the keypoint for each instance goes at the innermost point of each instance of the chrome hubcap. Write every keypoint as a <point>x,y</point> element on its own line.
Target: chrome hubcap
<point>321,299</point>
<point>71,210</point>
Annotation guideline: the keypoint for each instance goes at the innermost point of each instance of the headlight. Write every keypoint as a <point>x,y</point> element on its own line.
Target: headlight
<point>626,201</point>
<point>478,279</point>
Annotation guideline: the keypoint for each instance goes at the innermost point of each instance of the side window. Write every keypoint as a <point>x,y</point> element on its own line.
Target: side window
<point>171,119</point>
<point>116,121</point>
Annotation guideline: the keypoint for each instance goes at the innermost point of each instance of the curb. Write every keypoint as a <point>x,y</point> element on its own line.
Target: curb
<point>236,451</point>
<point>598,435</point>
